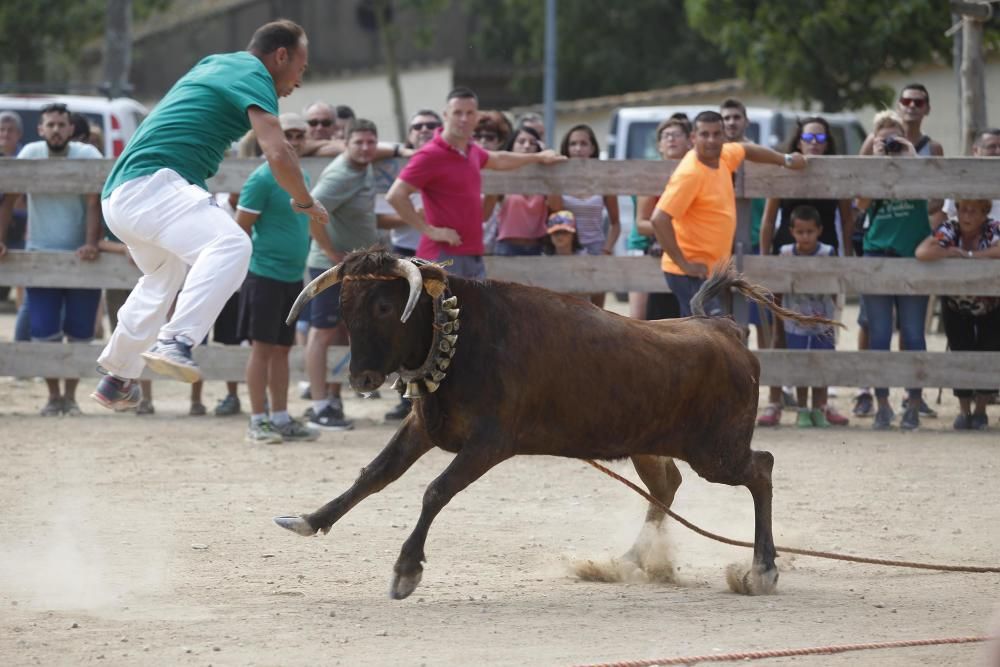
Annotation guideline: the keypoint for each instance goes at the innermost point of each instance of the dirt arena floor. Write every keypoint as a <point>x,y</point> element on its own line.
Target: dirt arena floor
<point>130,540</point>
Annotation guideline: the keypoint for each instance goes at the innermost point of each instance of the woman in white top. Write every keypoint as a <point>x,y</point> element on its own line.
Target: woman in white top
<point>581,142</point>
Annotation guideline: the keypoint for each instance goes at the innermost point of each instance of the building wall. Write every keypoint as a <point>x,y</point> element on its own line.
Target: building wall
<point>370,97</point>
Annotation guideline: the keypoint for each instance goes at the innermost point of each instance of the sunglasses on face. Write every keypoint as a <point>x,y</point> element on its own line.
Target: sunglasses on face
<point>326,122</point>
<point>814,137</point>
<point>485,136</point>
<point>917,102</point>
<point>429,125</point>
<point>672,136</point>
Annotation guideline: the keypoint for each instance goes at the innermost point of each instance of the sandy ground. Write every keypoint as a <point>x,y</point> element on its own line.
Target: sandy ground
<point>148,540</point>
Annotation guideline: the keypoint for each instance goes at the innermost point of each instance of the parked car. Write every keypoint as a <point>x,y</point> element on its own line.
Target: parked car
<point>117,118</point>
<point>632,129</point>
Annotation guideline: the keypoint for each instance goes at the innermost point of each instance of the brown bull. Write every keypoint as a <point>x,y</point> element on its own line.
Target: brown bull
<point>523,370</point>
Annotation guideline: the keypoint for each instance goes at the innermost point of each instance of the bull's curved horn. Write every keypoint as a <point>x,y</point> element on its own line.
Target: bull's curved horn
<point>407,269</point>
<point>328,278</point>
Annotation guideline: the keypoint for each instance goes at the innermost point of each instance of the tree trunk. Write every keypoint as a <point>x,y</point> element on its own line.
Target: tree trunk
<point>387,36</point>
<point>117,48</point>
<point>973,87</point>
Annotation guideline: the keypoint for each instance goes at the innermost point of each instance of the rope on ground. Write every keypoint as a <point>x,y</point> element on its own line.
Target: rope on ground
<point>788,550</point>
<point>789,652</point>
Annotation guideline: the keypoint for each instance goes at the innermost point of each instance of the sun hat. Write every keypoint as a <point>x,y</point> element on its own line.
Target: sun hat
<point>561,221</point>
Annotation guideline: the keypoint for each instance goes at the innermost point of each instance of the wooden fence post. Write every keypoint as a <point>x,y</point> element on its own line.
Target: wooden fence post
<point>741,244</point>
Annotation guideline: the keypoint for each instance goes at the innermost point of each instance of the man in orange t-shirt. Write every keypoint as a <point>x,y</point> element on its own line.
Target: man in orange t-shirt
<point>695,219</point>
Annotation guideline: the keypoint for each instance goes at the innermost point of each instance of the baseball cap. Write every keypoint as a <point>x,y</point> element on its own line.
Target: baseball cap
<point>561,221</point>
<point>292,121</point>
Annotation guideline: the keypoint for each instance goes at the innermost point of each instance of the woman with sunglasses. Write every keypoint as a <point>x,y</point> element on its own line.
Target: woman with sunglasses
<point>491,133</point>
<point>812,138</point>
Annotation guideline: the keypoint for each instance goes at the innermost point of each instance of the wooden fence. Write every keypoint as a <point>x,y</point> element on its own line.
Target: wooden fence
<point>834,177</point>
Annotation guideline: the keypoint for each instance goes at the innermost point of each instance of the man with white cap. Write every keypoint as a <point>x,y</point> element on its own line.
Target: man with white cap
<point>280,238</point>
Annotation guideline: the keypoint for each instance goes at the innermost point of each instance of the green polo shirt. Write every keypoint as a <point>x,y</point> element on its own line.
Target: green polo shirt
<point>191,128</point>
<point>280,235</point>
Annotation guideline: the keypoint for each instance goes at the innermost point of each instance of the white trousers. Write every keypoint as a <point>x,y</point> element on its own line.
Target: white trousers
<point>181,242</point>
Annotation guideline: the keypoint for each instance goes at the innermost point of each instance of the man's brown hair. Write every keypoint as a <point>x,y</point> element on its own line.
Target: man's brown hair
<point>274,35</point>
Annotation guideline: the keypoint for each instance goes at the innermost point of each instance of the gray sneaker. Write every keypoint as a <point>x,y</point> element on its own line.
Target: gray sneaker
<point>263,433</point>
<point>883,419</point>
<point>331,419</point>
<point>228,406</point>
<point>296,430</point>
<point>53,408</point>
<point>911,419</point>
<point>173,359</point>
<point>70,408</point>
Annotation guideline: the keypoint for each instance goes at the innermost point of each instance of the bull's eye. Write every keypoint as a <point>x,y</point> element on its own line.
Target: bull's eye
<point>383,309</point>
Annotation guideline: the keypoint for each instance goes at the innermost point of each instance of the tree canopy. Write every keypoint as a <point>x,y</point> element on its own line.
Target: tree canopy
<point>40,33</point>
<point>824,50</point>
<point>603,48</point>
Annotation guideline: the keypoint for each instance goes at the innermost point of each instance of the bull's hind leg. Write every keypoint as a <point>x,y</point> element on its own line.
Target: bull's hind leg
<point>406,446</point>
<point>762,577</point>
<point>649,552</point>
<point>469,464</point>
<point>662,478</point>
<point>648,559</point>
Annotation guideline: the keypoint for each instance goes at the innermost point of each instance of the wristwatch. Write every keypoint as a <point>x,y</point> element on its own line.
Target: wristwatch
<point>788,160</point>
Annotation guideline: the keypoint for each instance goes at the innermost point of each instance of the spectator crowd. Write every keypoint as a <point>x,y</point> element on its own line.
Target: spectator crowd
<point>434,209</point>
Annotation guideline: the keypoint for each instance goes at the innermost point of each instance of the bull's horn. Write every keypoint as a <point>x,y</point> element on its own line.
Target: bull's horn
<point>328,278</point>
<point>407,269</point>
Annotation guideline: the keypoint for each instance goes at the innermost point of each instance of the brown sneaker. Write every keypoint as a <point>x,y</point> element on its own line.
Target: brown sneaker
<point>834,417</point>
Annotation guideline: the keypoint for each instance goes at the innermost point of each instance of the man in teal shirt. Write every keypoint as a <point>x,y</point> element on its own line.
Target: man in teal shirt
<point>280,244</point>
<point>155,201</point>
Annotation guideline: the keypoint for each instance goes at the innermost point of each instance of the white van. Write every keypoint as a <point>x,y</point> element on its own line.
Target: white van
<point>632,131</point>
<point>631,134</point>
<point>117,118</point>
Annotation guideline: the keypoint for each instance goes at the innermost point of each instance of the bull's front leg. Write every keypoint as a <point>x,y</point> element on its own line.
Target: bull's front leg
<point>408,444</point>
<point>471,463</point>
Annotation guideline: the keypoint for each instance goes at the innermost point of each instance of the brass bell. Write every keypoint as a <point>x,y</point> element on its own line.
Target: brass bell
<point>398,385</point>
<point>431,385</point>
<point>452,313</point>
<point>413,390</point>
<point>443,364</point>
<point>444,345</point>
<point>448,327</point>
<point>453,339</point>
<point>437,376</point>
<point>450,302</point>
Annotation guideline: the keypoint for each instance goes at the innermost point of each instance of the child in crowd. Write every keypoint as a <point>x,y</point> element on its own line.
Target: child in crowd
<point>562,239</point>
<point>806,229</point>
<point>971,323</point>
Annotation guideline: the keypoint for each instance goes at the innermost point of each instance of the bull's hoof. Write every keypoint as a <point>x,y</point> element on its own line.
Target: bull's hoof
<point>751,581</point>
<point>296,524</point>
<point>404,584</point>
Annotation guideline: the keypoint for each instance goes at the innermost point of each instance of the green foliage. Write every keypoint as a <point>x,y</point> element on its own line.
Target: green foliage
<point>39,31</point>
<point>603,48</point>
<point>824,50</point>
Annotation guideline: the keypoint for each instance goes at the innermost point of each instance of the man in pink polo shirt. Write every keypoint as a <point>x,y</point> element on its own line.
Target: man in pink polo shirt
<point>446,172</point>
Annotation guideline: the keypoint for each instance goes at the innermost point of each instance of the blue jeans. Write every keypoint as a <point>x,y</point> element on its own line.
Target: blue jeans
<point>911,312</point>
<point>505,249</point>
<point>466,266</point>
<point>685,287</point>
<point>22,324</point>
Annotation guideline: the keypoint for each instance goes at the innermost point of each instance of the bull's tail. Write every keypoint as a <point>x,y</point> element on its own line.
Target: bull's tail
<point>725,277</point>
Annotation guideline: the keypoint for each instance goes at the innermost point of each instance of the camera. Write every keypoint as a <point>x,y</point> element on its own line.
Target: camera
<point>893,145</point>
